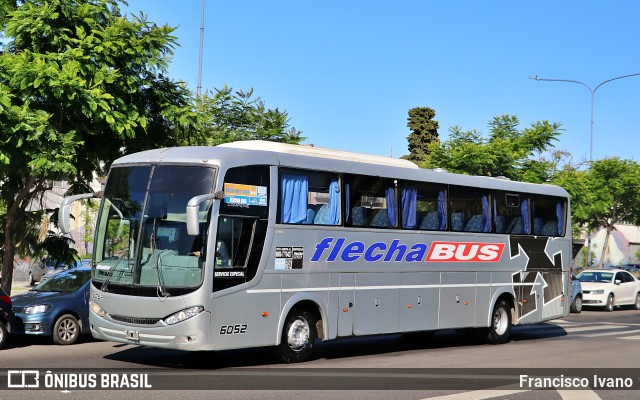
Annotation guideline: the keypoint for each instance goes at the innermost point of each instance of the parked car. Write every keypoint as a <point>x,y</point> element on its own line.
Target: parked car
<point>609,288</point>
<point>6,317</point>
<point>57,307</point>
<point>64,267</point>
<point>576,295</point>
<point>40,268</point>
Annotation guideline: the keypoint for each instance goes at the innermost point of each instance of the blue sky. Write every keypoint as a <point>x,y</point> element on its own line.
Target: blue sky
<point>347,72</point>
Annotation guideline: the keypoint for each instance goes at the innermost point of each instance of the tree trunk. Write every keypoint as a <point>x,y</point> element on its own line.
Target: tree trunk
<point>9,252</point>
<point>605,247</point>
<point>13,210</point>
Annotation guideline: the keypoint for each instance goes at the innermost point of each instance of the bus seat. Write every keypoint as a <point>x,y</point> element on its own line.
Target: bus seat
<point>381,219</point>
<point>322,216</point>
<point>537,226</point>
<point>550,228</point>
<point>516,226</point>
<point>431,221</point>
<point>475,224</point>
<point>500,223</point>
<point>311,214</point>
<point>457,221</point>
<point>358,216</point>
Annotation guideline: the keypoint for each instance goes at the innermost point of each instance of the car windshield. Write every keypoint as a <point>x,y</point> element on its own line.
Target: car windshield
<point>595,276</point>
<point>67,281</point>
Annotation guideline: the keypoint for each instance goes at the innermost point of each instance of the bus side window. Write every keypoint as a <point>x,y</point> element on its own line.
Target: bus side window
<point>308,197</point>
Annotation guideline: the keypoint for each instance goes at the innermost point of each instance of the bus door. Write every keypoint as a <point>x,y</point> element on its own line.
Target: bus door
<point>345,303</point>
<point>529,286</point>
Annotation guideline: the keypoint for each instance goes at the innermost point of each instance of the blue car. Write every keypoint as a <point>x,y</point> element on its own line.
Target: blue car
<point>57,307</point>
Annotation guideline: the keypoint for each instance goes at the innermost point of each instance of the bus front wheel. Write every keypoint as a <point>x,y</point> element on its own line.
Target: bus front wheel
<point>500,329</point>
<point>298,337</point>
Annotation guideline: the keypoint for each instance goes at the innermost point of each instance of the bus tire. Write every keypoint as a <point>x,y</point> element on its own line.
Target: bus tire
<point>298,336</point>
<point>499,331</point>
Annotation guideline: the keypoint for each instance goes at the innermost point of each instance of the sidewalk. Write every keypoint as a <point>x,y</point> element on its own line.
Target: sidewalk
<point>19,286</point>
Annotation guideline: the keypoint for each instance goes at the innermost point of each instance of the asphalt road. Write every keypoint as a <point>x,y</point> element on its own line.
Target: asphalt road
<point>446,366</point>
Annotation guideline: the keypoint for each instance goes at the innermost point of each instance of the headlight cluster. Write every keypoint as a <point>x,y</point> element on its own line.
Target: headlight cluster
<point>96,308</point>
<point>37,309</point>
<point>183,315</point>
<point>598,291</point>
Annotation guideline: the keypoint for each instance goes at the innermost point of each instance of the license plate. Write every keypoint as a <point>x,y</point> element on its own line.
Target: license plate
<point>132,335</point>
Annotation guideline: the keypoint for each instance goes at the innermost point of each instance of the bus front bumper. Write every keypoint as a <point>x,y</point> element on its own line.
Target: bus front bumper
<point>192,334</point>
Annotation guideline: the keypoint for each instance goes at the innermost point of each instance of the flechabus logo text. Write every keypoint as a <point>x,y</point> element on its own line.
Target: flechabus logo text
<point>332,249</point>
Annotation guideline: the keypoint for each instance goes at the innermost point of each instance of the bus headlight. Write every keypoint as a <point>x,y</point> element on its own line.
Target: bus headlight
<point>96,308</point>
<point>183,315</point>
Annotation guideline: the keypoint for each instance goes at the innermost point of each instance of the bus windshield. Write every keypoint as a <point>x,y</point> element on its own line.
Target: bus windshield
<point>141,234</point>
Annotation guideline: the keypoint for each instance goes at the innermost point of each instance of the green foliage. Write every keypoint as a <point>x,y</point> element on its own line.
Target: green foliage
<point>607,193</point>
<point>227,116</point>
<point>506,152</point>
<point>424,132</point>
<point>57,247</point>
<point>80,85</point>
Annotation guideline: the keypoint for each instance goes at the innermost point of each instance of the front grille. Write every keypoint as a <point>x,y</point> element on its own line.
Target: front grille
<point>135,320</point>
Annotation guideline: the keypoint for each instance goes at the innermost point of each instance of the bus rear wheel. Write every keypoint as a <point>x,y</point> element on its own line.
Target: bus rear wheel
<point>298,337</point>
<point>500,329</point>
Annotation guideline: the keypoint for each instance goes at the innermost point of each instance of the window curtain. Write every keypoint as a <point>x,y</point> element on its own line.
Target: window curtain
<point>524,211</point>
<point>334,202</point>
<point>442,209</point>
<point>409,207</point>
<point>486,214</point>
<point>293,198</point>
<point>560,215</point>
<point>392,206</point>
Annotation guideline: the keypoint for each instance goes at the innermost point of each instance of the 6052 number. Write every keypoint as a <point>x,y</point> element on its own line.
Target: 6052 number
<point>233,329</point>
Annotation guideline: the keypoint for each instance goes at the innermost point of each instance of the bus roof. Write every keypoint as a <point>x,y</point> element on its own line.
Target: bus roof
<point>299,156</point>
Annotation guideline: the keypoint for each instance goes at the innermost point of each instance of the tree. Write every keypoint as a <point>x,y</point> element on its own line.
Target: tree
<point>507,151</point>
<point>424,132</point>
<point>228,115</point>
<point>606,194</point>
<point>80,85</point>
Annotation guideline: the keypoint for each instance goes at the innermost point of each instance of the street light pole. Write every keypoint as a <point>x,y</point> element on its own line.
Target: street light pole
<point>593,94</point>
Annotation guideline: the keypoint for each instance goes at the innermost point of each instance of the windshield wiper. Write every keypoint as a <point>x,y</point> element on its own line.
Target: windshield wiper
<point>161,290</point>
<point>107,280</point>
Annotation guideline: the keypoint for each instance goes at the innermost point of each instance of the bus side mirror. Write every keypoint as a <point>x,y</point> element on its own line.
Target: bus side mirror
<point>64,212</point>
<point>193,211</point>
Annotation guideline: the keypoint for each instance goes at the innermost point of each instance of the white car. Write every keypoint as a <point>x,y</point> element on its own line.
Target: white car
<point>609,288</point>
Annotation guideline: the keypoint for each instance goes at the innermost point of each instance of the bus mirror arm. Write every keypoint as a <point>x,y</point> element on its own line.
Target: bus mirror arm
<point>64,212</point>
<point>193,210</point>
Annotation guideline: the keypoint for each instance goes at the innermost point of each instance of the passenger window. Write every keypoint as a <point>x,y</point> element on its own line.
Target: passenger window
<point>423,206</point>
<point>511,213</point>
<point>308,197</point>
<point>370,202</point>
<point>548,215</point>
<point>469,210</point>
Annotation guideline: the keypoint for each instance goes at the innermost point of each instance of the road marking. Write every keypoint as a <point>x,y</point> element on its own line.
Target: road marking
<point>578,395</point>
<point>618,332</point>
<point>481,394</point>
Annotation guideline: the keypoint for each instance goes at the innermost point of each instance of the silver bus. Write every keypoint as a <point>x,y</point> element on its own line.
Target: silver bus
<point>256,243</point>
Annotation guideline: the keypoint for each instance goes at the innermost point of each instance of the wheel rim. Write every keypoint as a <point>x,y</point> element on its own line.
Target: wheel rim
<point>638,301</point>
<point>500,321</point>
<point>67,330</point>
<point>1,334</point>
<point>610,303</point>
<point>578,304</point>
<point>298,334</point>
